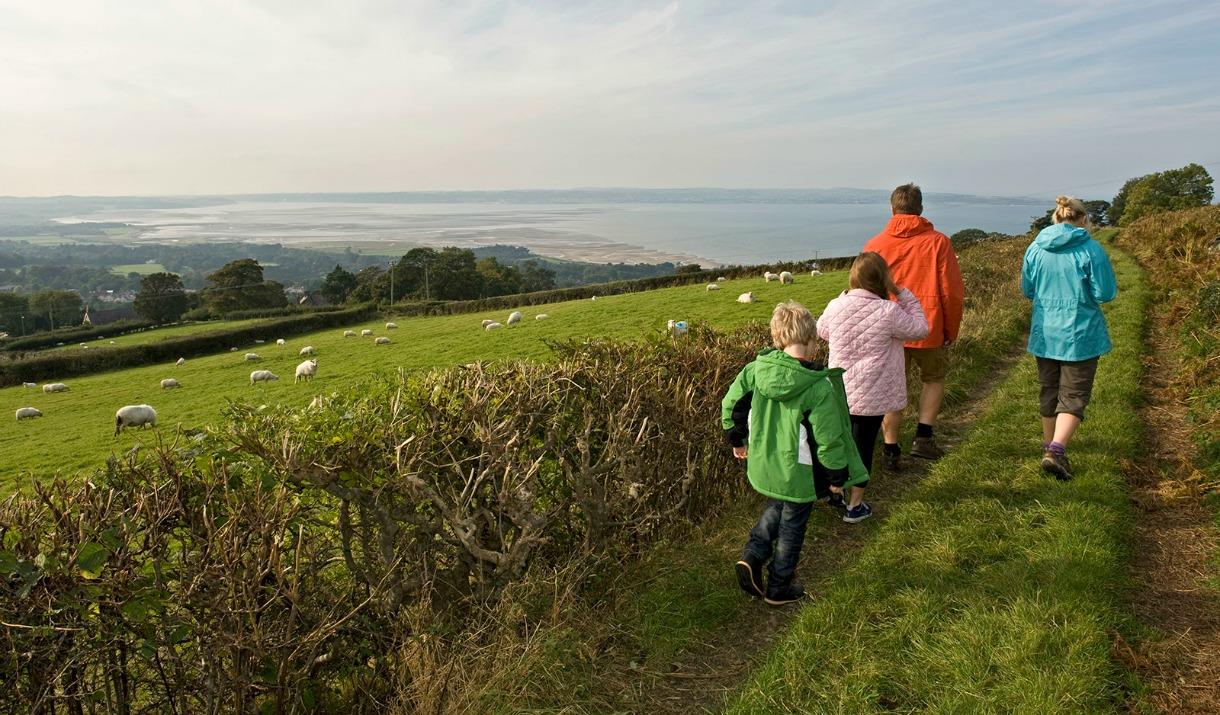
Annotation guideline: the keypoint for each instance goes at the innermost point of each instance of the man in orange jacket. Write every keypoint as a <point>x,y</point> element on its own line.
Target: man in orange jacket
<point>922,260</point>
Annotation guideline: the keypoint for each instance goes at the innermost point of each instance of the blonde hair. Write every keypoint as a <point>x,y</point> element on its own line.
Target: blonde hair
<point>1069,209</point>
<point>792,324</point>
<point>870,272</point>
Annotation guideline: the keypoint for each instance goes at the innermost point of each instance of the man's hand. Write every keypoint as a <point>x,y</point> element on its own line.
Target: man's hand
<point>740,452</point>
<point>836,490</point>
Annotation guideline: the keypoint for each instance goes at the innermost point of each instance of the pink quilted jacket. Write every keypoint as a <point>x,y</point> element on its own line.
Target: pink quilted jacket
<point>866,333</point>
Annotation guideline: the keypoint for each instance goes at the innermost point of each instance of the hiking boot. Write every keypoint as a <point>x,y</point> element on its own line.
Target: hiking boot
<point>926,448</point>
<point>749,577</point>
<point>784,595</point>
<point>891,462</point>
<point>857,514</point>
<point>835,501</point>
<point>1057,464</point>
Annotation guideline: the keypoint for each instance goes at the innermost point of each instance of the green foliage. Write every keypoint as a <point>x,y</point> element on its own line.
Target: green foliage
<point>239,285</point>
<point>12,307</point>
<point>1188,187</point>
<point>992,587</point>
<point>161,299</point>
<point>338,284</point>
<point>967,236</point>
<point>56,308</point>
<point>1118,204</point>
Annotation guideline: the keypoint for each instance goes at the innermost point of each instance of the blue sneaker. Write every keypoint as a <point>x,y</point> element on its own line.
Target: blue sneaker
<point>858,514</point>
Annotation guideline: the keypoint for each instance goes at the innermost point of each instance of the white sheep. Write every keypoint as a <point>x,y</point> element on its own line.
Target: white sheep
<point>745,298</point>
<point>713,286</point>
<point>29,384</point>
<point>169,382</point>
<point>541,316</point>
<point>721,279</point>
<point>280,342</point>
<point>514,318</point>
<point>112,342</point>
<point>25,413</point>
<point>308,351</point>
<point>383,340</point>
<point>232,350</point>
<point>134,416</point>
<point>785,277</point>
<point>815,272</point>
<point>259,342</point>
<point>391,326</point>
<point>493,326</point>
<point>55,387</point>
<point>349,333</point>
<point>181,362</point>
<point>487,322</point>
<point>306,370</point>
<point>85,345</point>
<point>366,332</point>
<point>769,276</point>
<point>251,357</point>
<point>262,376</point>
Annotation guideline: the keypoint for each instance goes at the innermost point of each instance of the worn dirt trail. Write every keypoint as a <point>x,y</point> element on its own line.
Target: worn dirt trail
<point>1175,594</point>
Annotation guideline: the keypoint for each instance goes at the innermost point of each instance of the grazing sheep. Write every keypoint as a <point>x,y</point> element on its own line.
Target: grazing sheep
<point>251,357</point>
<point>25,413</point>
<point>785,277</point>
<point>391,326</point>
<point>541,316</point>
<point>366,332</point>
<point>262,376</point>
<point>29,384</point>
<point>112,342</point>
<point>169,382</point>
<point>745,298</point>
<point>280,342</point>
<point>383,340</point>
<point>721,279</point>
<point>85,345</point>
<point>713,286</point>
<point>769,276</point>
<point>307,351</point>
<point>493,326</point>
<point>55,387</point>
<point>349,333</point>
<point>514,318</point>
<point>259,342</point>
<point>593,298</point>
<point>487,322</point>
<point>815,272</point>
<point>181,362</point>
<point>232,350</point>
<point>134,416</point>
<point>306,370</point>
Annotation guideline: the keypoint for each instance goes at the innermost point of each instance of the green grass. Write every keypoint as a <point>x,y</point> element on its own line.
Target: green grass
<point>991,588</point>
<point>76,432</point>
<point>143,269</point>
<point>158,334</point>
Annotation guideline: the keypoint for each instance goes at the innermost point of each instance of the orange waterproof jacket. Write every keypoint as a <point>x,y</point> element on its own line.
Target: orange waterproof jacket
<point>922,260</point>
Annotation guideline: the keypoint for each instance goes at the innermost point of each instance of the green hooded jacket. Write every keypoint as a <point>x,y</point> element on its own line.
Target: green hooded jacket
<point>786,400</point>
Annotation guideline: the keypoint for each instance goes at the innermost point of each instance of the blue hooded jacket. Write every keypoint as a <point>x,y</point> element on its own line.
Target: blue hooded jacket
<point>1068,276</point>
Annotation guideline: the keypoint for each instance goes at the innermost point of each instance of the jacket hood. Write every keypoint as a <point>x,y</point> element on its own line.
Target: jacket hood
<point>779,376</point>
<point>907,225</point>
<point>1061,237</point>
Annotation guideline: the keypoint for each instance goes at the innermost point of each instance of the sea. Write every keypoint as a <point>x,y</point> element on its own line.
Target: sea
<point>713,233</point>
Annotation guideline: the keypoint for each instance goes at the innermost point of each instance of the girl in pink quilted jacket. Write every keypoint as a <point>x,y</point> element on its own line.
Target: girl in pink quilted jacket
<point>866,331</point>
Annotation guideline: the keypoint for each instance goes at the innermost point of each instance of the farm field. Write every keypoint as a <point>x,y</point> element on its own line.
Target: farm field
<point>76,432</point>
<point>159,334</point>
<point>143,269</point>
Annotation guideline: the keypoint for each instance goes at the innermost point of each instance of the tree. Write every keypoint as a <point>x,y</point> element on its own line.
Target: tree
<point>370,282</point>
<point>55,308</point>
<point>1118,204</point>
<point>458,277</point>
<point>497,278</point>
<point>161,299</point>
<point>687,269</point>
<point>1098,212</point>
<point>1171,190</point>
<point>338,284</point>
<point>535,278</point>
<point>967,236</point>
<point>239,285</point>
<point>12,308</point>
<point>1042,221</point>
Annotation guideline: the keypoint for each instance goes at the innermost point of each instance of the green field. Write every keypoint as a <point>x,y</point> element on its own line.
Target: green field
<point>76,432</point>
<point>159,334</point>
<point>143,269</point>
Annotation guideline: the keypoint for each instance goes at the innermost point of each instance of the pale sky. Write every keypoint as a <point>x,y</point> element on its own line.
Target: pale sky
<point>228,96</point>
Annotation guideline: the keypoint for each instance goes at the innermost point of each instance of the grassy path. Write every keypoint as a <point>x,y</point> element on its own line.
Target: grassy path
<point>991,588</point>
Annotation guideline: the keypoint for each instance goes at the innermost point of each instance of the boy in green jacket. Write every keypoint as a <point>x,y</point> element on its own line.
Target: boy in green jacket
<point>790,417</point>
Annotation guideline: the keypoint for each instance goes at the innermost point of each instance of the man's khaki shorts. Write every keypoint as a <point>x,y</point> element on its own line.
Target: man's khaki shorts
<point>933,363</point>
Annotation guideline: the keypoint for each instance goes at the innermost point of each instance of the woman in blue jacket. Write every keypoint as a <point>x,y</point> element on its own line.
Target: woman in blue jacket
<point>1068,276</point>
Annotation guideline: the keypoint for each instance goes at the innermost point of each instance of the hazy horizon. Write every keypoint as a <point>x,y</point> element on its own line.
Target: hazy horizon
<point>267,96</point>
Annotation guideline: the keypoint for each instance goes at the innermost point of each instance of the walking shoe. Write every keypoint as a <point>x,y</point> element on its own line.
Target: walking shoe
<point>926,448</point>
<point>892,463</point>
<point>835,501</point>
<point>1057,464</point>
<point>749,577</point>
<point>857,514</point>
<point>784,595</point>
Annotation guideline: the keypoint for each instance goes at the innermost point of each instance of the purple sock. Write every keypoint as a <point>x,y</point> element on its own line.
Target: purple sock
<point>1046,446</point>
<point>1056,448</point>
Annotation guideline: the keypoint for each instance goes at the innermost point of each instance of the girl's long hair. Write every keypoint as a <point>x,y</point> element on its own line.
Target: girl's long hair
<point>870,272</point>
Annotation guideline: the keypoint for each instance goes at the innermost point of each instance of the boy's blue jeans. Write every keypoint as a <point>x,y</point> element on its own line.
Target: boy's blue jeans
<point>779,531</point>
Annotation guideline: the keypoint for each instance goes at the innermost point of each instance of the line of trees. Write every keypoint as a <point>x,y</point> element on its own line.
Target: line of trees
<point>44,310</point>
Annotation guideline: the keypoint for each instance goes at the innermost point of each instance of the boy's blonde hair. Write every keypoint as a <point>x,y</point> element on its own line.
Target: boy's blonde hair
<point>792,324</point>
<point>1069,209</point>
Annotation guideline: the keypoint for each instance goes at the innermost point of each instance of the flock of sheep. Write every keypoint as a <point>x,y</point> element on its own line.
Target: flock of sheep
<point>514,318</point>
